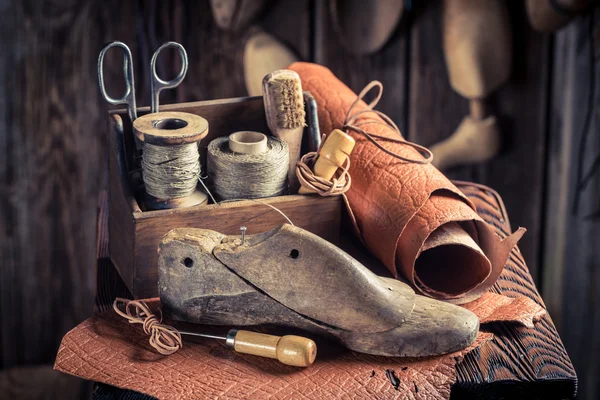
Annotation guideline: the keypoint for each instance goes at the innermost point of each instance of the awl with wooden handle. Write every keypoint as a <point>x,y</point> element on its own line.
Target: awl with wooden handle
<point>292,350</point>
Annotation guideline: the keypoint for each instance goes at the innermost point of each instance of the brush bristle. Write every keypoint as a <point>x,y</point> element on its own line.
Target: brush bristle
<point>287,97</point>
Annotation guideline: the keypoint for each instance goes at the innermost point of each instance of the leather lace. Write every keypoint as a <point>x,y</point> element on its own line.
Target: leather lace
<point>351,123</point>
<point>163,338</point>
<point>341,182</point>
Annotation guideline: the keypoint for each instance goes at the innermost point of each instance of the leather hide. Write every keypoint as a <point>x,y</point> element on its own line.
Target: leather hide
<point>410,216</point>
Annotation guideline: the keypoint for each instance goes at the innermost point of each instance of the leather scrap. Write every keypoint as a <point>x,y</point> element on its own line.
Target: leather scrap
<point>399,206</point>
<point>107,349</point>
<point>492,307</point>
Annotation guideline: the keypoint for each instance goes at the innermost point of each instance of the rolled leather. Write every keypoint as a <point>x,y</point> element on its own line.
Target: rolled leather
<point>410,216</point>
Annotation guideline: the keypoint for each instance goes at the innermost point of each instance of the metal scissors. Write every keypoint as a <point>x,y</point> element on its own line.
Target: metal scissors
<point>156,83</point>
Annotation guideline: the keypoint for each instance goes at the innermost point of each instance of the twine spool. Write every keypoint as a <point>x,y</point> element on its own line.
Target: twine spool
<point>171,172</point>
<point>171,162</point>
<point>251,175</point>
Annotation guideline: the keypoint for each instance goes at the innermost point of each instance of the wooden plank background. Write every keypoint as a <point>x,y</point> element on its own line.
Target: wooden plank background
<point>53,130</point>
<point>571,255</point>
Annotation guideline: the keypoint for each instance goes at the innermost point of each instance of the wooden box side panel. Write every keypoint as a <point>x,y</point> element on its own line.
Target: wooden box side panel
<point>319,215</point>
<point>122,205</point>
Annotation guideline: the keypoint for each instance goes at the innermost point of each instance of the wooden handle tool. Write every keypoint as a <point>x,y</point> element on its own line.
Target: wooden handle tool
<point>286,115</point>
<point>292,350</point>
<point>333,154</point>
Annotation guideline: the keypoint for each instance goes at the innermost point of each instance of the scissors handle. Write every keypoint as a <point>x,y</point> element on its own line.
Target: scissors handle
<point>129,97</point>
<point>156,83</point>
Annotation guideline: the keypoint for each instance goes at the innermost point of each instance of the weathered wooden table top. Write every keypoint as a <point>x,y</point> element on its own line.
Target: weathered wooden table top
<point>518,363</point>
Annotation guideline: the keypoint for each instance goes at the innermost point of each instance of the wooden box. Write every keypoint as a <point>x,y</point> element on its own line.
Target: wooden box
<point>135,234</point>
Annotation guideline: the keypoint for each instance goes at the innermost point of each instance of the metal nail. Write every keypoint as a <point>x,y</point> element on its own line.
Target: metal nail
<point>243,229</point>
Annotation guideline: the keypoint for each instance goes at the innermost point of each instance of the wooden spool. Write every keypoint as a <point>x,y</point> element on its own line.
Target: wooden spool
<point>248,142</point>
<point>171,128</point>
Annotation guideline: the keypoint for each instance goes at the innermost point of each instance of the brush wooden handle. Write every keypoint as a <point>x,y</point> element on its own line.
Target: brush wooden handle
<point>284,109</point>
<point>332,156</point>
<point>290,350</point>
<point>293,138</point>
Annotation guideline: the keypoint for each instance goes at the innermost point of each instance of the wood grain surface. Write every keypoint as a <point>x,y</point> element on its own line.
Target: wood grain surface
<point>571,254</point>
<point>51,172</point>
<point>530,363</point>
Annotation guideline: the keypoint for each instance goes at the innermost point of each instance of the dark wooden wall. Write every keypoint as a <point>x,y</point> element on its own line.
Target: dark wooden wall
<point>571,247</point>
<point>53,132</point>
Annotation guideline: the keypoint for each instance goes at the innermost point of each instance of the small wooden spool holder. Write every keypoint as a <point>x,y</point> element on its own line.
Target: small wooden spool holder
<point>135,233</point>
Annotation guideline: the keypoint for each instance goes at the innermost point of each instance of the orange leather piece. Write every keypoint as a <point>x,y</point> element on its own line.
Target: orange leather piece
<point>493,307</point>
<point>107,349</point>
<point>397,206</point>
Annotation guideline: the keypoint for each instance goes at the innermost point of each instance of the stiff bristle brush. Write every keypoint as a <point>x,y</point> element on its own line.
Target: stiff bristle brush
<point>286,117</point>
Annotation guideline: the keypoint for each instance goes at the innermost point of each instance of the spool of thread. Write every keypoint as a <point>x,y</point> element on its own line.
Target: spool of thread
<point>171,162</point>
<point>248,165</point>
